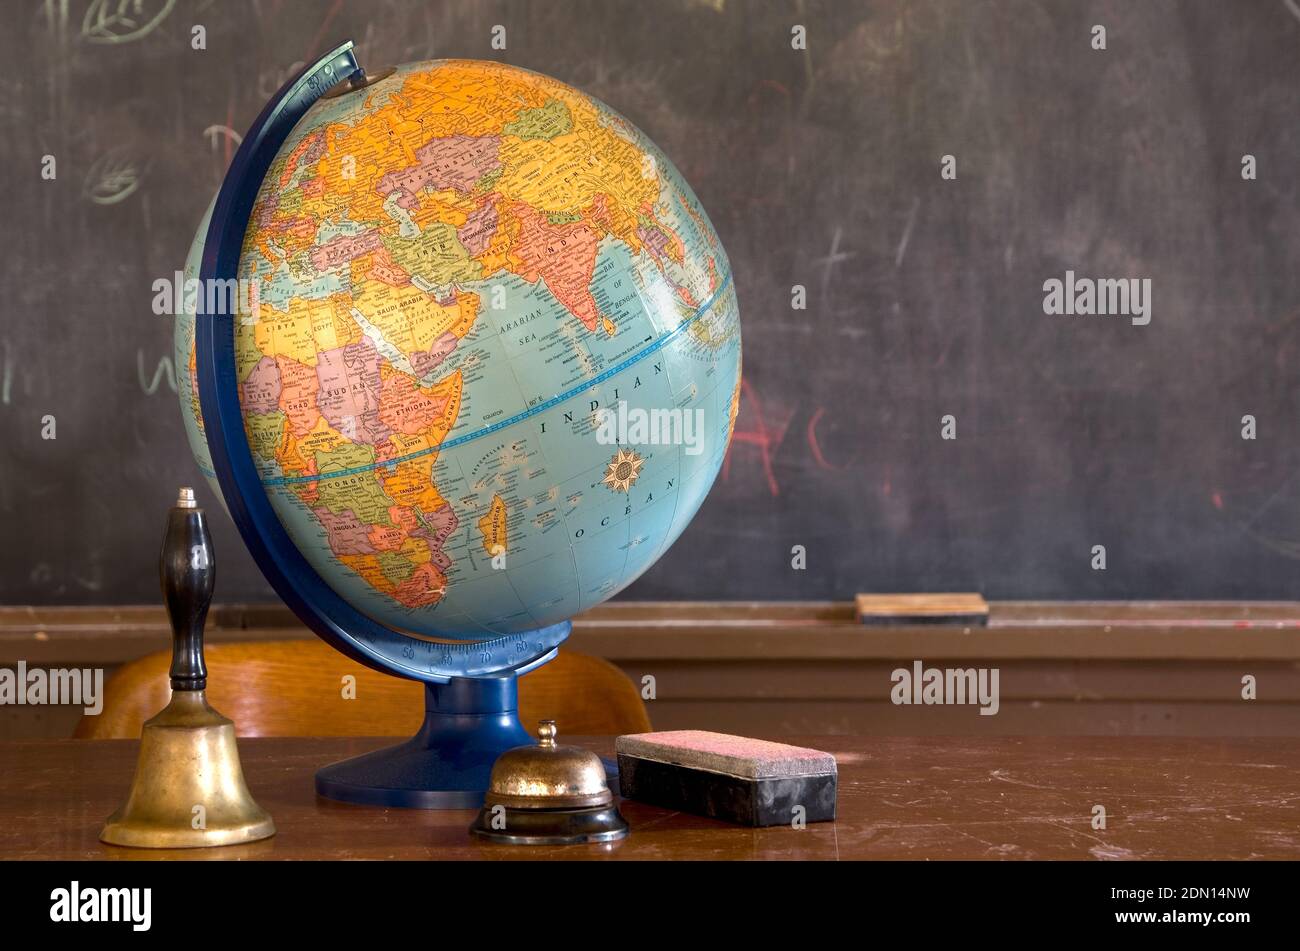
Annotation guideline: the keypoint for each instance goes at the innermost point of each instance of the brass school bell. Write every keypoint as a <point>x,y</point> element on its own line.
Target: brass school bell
<point>189,788</point>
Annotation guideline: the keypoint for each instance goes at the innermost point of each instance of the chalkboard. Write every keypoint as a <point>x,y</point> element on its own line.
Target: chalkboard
<point>920,169</point>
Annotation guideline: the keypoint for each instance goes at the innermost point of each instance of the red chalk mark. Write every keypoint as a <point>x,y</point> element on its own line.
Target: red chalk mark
<point>324,25</point>
<point>816,446</point>
<point>765,84</point>
<point>767,442</point>
<point>1217,498</point>
<point>812,438</point>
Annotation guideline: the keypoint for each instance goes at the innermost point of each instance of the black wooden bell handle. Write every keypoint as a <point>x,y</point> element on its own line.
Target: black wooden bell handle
<point>188,573</point>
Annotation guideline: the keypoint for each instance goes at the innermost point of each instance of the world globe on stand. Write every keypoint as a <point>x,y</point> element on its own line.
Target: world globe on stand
<point>488,349</point>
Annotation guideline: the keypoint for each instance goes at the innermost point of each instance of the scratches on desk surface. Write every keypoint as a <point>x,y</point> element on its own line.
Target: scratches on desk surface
<point>899,798</point>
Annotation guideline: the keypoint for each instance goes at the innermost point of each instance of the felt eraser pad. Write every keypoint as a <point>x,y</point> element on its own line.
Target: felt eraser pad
<point>749,782</point>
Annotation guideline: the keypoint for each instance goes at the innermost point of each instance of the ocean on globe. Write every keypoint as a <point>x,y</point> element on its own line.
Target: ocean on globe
<point>489,355</point>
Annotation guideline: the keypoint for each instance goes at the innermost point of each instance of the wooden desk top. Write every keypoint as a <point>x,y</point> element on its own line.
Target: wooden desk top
<point>899,798</point>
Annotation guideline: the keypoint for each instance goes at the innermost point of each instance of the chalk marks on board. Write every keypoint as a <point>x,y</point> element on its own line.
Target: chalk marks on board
<point>907,233</point>
<point>113,177</point>
<point>109,22</point>
<point>760,439</point>
<point>118,21</point>
<point>21,381</point>
<point>164,371</point>
<point>217,134</point>
<point>870,281</point>
<point>6,374</point>
<point>828,261</point>
<point>225,138</point>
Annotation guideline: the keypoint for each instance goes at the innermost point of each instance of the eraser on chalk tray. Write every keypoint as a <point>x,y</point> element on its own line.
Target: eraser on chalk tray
<point>741,780</point>
<point>893,609</point>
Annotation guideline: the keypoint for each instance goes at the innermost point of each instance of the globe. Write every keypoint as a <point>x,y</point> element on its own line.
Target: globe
<point>487,349</point>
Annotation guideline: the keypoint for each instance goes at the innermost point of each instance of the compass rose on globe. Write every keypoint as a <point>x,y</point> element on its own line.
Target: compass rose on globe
<point>622,471</point>
<point>421,293</point>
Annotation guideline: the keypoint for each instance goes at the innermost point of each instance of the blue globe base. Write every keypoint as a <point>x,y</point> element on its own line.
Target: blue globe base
<point>468,723</point>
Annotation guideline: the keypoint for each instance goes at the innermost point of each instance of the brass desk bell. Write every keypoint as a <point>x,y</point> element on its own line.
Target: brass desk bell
<point>189,788</point>
<point>549,795</point>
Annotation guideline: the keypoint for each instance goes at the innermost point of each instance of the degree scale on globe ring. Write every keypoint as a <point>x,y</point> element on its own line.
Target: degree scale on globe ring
<point>391,224</point>
<point>358,81</point>
<point>518,652</point>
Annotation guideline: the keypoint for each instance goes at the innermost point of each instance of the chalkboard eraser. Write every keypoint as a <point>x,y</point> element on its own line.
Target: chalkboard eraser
<point>733,778</point>
<point>895,609</point>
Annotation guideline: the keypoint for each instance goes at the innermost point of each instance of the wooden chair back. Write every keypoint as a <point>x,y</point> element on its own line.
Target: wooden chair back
<point>301,688</point>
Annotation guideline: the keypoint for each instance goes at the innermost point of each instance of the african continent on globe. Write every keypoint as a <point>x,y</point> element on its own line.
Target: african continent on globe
<point>454,272</point>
